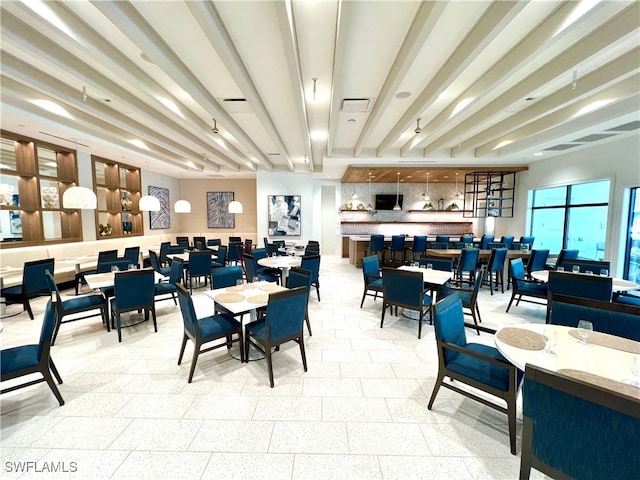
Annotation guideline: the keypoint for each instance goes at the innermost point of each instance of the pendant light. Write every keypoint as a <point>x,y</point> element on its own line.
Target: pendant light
<point>397,205</point>
<point>369,206</point>
<point>79,197</point>
<point>149,203</point>
<point>235,206</point>
<point>459,193</point>
<point>182,206</point>
<point>427,203</point>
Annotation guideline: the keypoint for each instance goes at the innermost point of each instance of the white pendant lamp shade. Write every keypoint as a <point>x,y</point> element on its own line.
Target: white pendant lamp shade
<point>182,206</point>
<point>149,203</point>
<point>397,205</point>
<point>79,197</point>
<point>235,207</point>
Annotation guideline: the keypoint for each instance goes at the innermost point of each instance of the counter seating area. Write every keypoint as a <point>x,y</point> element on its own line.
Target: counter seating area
<point>65,269</point>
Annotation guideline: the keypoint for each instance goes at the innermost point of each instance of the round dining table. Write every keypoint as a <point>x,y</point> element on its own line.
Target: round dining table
<point>282,262</point>
<point>605,359</point>
<point>618,284</point>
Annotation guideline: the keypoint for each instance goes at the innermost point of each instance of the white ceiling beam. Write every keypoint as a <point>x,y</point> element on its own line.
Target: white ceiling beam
<point>124,16</point>
<point>211,24</point>
<point>343,19</point>
<point>620,91</point>
<point>426,17</point>
<point>284,12</point>
<point>549,137</point>
<point>495,18</point>
<point>596,80</point>
<point>621,25</point>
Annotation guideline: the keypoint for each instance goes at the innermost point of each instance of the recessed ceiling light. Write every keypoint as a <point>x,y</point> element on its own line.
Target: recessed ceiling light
<point>170,105</point>
<point>528,99</point>
<point>351,120</point>
<point>52,107</point>
<point>537,154</point>
<point>403,95</point>
<point>318,135</point>
<point>138,143</point>
<point>107,100</point>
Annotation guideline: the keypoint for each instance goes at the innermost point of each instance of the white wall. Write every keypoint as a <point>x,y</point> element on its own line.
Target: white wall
<point>618,161</point>
<point>173,185</point>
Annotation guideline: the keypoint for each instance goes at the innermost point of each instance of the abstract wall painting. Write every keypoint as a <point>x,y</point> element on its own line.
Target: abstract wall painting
<point>284,215</point>
<point>162,218</point>
<point>218,215</point>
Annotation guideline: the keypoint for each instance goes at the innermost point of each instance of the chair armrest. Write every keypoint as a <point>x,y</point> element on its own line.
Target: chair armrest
<point>373,277</point>
<point>479,356</point>
<point>480,327</point>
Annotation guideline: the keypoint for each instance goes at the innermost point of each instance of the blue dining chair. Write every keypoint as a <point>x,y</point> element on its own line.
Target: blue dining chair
<point>418,247</point>
<point>34,284</point>
<point>168,289</point>
<point>205,329</point>
<point>405,289</point>
<point>155,264</point>
<point>467,263</point>
<point>79,304</point>
<point>220,257</point>
<point>442,264</point>
<point>376,245</point>
<point>132,255</point>
<point>252,270</point>
<point>480,366</point>
<point>134,290</point>
<point>199,267</point>
<point>26,360</point>
<point>396,247</point>
<point>523,287</point>
<point>103,256</point>
<point>299,277</point>
<point>312,263</point>
<point>485,240</point>
<point>283,322</point>
<point>372,277</point>
<point>495,268</point>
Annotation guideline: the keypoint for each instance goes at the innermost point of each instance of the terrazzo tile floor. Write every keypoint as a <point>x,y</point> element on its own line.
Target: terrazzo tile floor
<point>359,412</point>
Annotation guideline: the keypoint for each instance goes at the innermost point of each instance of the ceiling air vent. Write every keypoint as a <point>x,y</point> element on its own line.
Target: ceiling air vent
<point>562,146</point>
<point>355,105</point>
<point>236,105</point>
<point>595,137</point>
<point>627,127</point>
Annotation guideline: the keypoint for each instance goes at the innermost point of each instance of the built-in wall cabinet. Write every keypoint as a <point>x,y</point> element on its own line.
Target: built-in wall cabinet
<point>118,188</point>
<point>34,176</point>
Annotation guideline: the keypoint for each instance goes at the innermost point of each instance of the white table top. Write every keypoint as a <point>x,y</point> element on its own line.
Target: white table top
<point>280,262</point>
<point>102,280</point>
<point>244,298</point>
<point>430,275</point>
<point>606,362</point>
<point>619,284</point>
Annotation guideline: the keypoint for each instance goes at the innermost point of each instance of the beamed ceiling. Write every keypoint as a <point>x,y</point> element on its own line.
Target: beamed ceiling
<point>316,86</point>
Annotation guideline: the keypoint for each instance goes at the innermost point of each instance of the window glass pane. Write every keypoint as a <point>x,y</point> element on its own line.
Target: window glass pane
<point>632,268</point>
<point>47,164</point>
<point>52,224</point>
<point>593,192</point>
<point>547,227</point>
<point>549,197</point>
<point>586,231</point>
<point>7,154</point>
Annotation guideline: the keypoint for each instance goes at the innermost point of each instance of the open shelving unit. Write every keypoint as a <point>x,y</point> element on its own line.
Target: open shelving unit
<point>489,194</point>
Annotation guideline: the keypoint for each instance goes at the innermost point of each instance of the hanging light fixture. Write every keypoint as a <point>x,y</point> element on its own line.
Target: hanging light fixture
<point>459,193</point>
<point>427,198</point>
<point>397,205</point>
<point>369,206</point>
<point>182,206</point>
<point>149,203</point>
<point>235,206</point>
<point>79,197</point>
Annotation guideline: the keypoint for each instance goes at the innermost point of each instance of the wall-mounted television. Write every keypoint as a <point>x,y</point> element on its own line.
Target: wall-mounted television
<point>387,202</point>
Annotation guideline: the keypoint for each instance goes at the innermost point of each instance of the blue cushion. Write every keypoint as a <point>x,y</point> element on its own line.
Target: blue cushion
<point>258,328</point>
<point>18,358</point>
<point>628,300</point>
<point>164,288</point>
<point>483,372</point>
<point>376,284</point>
<point>83,303</point>
<point>535,289</point>
<point>217,325</point>
<point>12,291</point>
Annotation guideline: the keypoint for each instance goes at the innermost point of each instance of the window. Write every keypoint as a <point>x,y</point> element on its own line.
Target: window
<point>571,216</point>
<point>632,251</point>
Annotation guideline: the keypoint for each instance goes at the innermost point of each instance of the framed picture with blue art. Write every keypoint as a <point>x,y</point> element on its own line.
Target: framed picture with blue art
<point>284,215</point>
<point>218,215</point>
<point>15,222</point>
<point>162,218</point>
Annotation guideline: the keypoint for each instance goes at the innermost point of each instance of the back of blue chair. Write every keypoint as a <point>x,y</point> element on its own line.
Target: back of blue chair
<point>594,287</point>
<point>566,254</point>
<point>419,244</point>
<point>404,288</point>
<point>34,278</point>
<point>285,313</point>
<point>448,324</point>
<point>46,332</point>
<point>133,288</point>
<point>442,238</point>
<point>593,266</point>
<point>516,268</point>
<point>507,240</point>
<point>484,241</point>
<point>311,263</point>
<point>437,245</point>
<point>221,255</point>
<point>234,251</point>
<point>299,277</point>
<point>183,242</point>
<point>497,259</point>
<point>528,240</point>
<point>214,242</point>
<point>250,267</point>
<point>199,242</point>
<point>164,250</point>
<point>466,239</point>
<point>132,254</point>
<point>537,260</point>
<point>595,428</point>
<point>235,239</point>
<point>105,267</point>
<point>443,264</point>
<point>225,276</point>
<point>154,261</point>
<point>376,244</point>
<point>370,268</point>
<point>177,269</point>
<point>189,318</point>
<point>259,253</point>
<point>468,260</point>
<point>199,263</point>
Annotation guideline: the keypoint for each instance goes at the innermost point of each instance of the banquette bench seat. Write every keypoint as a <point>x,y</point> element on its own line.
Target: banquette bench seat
<point>65,271</point>
<point>607,317</point>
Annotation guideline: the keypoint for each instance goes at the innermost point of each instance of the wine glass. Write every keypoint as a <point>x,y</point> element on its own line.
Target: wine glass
<point>239,283</point>
<point>604,272</point>
<point>575,269</point>
<point>549,336</point>
<point>115,268</point>
<point>429,266</point>
<point>635,370</point>
<point>560,269</point>
<point>584,330</point>
<point>588,272</point>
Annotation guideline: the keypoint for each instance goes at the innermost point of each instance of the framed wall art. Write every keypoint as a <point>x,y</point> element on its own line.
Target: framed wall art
<point>284,215</point>
<point>162,218</point>
<point>218,215</point>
